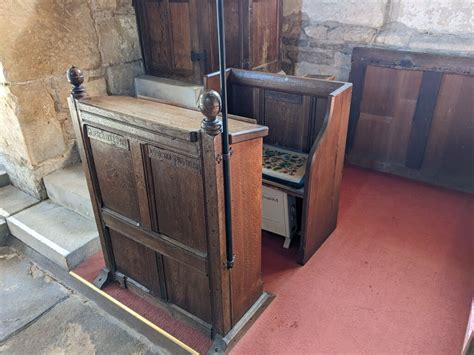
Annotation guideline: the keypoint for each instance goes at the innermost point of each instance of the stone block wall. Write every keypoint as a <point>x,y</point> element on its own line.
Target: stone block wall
<point>40,39</point>
<point>318,35</point>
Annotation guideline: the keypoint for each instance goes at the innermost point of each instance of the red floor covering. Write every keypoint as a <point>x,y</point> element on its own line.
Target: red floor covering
<point>395,277</point>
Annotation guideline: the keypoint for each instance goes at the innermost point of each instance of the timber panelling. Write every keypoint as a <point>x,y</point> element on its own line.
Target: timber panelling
<point>411,115</point>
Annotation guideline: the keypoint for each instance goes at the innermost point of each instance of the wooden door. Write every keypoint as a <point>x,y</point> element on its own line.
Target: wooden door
<point>170,39</point>
<point>179,37</point>
<point>261,42</point>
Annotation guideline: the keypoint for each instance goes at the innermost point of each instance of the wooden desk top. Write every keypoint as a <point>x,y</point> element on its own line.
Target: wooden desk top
<point>171,120</point>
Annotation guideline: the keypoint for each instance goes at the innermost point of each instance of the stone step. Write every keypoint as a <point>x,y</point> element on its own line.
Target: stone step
<point>173,91</point>
<point>61,235</point>
<point>67,187</point>
<point>4,178</point>
<point>12,201</point>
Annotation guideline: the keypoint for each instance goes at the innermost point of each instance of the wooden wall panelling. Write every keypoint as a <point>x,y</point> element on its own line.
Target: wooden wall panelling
<point>170,30</point>
<point>233,11</point>
<point>449,153</point>
<point>386,111</point>
<point>397,97</point>
<point>264,31</point>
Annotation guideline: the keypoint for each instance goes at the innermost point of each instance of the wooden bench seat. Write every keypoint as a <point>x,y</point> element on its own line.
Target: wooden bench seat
<point>304,115</point>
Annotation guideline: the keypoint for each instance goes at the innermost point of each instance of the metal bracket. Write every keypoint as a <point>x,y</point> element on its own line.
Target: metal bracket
<point>104,277</point>
<point>221,157</point>
<point>230,263</point>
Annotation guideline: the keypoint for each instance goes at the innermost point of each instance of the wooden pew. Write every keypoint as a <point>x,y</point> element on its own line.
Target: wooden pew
<point>304,115</point>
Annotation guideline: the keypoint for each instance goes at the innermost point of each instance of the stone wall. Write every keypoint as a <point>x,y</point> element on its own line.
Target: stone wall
<point>318,36</point>
<point>40,39</point>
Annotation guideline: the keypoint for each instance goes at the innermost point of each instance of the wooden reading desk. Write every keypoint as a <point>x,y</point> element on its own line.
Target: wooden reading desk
<point>155,177</point>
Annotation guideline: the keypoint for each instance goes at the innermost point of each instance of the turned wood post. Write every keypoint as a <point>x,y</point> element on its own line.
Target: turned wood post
<point>75,77</point>
<point>210,105</point>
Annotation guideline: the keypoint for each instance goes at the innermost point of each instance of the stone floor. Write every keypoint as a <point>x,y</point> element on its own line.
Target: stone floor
<point>39,315</point>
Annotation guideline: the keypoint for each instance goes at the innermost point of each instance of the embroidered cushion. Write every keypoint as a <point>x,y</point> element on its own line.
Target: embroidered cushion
<point>284,166</point>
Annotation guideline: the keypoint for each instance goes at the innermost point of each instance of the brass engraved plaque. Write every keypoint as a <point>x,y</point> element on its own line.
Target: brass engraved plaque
<point>107,137</point>
<point>172,158</point>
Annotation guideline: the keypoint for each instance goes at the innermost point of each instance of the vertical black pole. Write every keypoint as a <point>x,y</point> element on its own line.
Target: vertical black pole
<point>225,134</point>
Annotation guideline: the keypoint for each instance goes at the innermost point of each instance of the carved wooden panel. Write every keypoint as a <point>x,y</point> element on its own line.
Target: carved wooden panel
<point>178,197</point>
<point>117,186</point>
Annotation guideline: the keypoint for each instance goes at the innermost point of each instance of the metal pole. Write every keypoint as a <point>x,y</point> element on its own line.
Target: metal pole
<point>225,135</point>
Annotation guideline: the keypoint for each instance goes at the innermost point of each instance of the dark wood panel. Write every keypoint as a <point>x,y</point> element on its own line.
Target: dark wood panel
<point>156,34</point>
<point>180,27</point>
<point>389,134</point>
<point>386,114</point>
<point>449,151</point>
<point>264,33</point>
<point>170,30</point>
<point>135,260</point>
<point>117,187</point>
<point>285,114</point>
<point>422,118</point>
<point>159,243</point>
<point>244,101</point>
<point>178,197</point>
<point>187,288</point>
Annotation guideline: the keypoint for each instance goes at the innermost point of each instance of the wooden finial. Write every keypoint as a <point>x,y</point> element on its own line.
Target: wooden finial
<point>210,105</point>
<point>75,77</point>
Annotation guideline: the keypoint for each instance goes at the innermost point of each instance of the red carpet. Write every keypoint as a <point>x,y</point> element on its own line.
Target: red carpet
<point>395,277</point>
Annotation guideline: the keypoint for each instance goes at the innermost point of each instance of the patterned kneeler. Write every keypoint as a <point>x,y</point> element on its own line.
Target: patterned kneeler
<point>284,166</point>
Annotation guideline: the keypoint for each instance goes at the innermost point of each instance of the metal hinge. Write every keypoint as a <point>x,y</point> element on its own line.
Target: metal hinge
<point>198,56</point>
